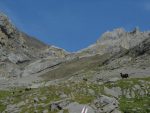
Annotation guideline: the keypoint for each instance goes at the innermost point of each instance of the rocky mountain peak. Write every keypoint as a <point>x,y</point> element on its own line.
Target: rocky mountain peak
<point>112,35</point>
<point>114,41</point>
<point>17,49</point>
<point>7,27</point>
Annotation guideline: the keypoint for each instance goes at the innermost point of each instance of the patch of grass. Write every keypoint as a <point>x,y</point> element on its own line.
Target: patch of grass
<point>127,83</point>
<point>83,99</point>
<point>2,107</point>
<point>140,105</point>
<point>66,111</point>
<point>4,94</point>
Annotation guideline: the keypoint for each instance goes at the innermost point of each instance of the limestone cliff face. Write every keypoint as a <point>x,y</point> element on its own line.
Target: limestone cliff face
<point>115,41</point>
<point>17,49</point>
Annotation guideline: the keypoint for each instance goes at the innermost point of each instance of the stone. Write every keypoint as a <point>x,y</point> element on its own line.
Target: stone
<point>45,111</point>
<point>127,95</point>
<point>109,108</point>
<point>21,104</point>
<point>35,111</point>
<point>113,79</point>
<point>142,93</point>
<point>59,105</point>
<point>77,108</point>
<point>17,58</point>
<point>91,92</point>
<point>111,92</point>
<point>132,94</point>
<point>137,87</point>
<point>12,109</point>
<point>55,107</point>
<point>63,95</point>
<point>43,98</point>
<point>36,100</point>
<point>106,104</point>
<point>118,90</point>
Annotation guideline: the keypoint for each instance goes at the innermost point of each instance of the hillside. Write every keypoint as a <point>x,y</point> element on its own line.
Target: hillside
<point>40,78</point>
<point>17,49</point>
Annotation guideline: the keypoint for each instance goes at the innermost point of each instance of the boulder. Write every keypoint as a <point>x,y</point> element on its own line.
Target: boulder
<point>91,92</point>
<point>106,104</point>
<point>77,108</point>
<point>17,58</point>
<point>112,92</point>
<point>59,105</point>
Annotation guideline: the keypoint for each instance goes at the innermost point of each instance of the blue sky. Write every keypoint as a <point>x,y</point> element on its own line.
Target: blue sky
<point>75,24</point>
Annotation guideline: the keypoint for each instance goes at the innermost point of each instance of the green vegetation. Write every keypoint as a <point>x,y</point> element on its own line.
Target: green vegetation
<point>66,111</point>
<point>3,96</point>
<point>138,105</point>
<point>78,92</point>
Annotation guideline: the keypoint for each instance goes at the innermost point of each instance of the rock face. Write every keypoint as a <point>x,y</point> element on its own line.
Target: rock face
<point>40,65</point>
<point>17,49</point>
<point>115,41</point>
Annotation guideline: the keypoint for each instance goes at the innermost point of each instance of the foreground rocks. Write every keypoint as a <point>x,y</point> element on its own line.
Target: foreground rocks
<point>68,97</point>
<point>105,104</point>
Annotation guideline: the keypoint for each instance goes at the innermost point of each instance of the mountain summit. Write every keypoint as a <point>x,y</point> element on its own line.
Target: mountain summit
<point>115,41</point>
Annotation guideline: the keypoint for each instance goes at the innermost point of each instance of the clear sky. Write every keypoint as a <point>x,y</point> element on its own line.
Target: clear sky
<point>75,24</point>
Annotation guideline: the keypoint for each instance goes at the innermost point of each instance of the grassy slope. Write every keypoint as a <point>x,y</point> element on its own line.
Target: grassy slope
<point>71,68</point>
<point>77,92</point>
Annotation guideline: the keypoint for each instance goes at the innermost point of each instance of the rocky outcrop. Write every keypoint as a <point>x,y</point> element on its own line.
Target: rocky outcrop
<point>115,41</point>
<point>19,50</point>
<point>40,65</point>
<point>105,104</point>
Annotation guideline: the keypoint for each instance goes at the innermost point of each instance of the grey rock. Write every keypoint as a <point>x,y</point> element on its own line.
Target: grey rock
<point>106,104</point>
<point>142,93</point>
<point>115,41</point>
<point>63,96</point>
<point>12,109</point>
<point>77,108</point>
<point>109,108</point>
<point>113,79</point>
<point>39,66</point>
<point>17,58</point>
<point>137,87</point>
<point>59,105</point>
<point>45,111</point>
<point>20,104</point>
<point>132,94</point>
<point>43,98</point>
<point>111,92</point>
<point>91,92</point>
<point>36,100</point>
<point>128,94</point>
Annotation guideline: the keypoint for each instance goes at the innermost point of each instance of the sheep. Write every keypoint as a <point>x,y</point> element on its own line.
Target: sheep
<point>124,75</point>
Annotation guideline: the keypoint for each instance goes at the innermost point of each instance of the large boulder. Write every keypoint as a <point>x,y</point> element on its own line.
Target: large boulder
<point>105,104</point>
<point>78,108</point>
<point>17,58</point>
<point>115,92</point>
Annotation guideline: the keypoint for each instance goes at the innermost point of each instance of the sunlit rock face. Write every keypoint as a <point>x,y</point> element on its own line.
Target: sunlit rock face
<point>18,50</point>
<point>115,41</point>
